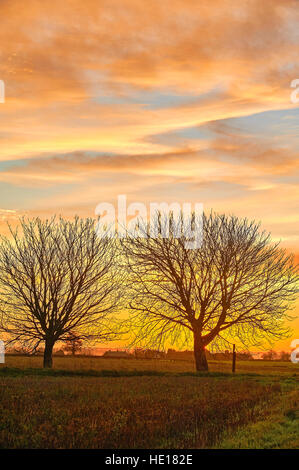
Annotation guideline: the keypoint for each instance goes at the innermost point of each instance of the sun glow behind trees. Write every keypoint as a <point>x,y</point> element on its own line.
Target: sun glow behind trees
<point>59,278</point>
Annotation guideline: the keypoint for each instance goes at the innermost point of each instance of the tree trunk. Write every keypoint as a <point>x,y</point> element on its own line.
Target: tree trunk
<point>200,354</point>
<point>48,354</point>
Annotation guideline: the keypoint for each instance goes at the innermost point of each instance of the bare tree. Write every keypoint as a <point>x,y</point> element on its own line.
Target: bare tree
<point>270,355</point>
<point>237,284</point>
<point>57,276</point>
<point>73,343</point>
<point>284,356</point>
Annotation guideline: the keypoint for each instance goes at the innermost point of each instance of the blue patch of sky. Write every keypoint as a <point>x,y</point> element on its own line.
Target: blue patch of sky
<point>286,179</point>
<point>283,123</point>
<point>181,135</point>
<point>6,164</point>
<point>22,198</point>
<point>163,98</point>
<point>197,191</point>
<point>89,154</point>
<point>150,98</point>
<point>268,123</point>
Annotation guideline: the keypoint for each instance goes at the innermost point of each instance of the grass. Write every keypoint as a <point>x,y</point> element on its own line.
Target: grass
<point>112,403</point>
<point>160,365</point>
<point>279,430</point>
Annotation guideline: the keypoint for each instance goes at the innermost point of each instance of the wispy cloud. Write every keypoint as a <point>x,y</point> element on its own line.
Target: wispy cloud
<point>122,96</point>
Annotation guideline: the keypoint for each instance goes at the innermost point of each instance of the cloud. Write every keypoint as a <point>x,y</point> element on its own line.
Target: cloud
<point>167,100</point>
<point>101,96</point>
<point>60,58</point>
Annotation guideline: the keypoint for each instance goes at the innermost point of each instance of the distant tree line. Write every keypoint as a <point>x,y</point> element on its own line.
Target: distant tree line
<point>174,354</point>
<point>170,354</point>
<point>275,356</point>
<point>62,283</point>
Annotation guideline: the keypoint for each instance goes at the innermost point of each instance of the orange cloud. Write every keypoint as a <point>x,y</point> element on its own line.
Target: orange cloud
<point>97,93</point>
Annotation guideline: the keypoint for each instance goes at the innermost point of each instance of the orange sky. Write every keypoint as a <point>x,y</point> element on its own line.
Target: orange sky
<point>174,100</point>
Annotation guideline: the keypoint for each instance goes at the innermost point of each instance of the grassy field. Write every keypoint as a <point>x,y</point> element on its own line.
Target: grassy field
<point>100,363</point>
<point>112,403</point>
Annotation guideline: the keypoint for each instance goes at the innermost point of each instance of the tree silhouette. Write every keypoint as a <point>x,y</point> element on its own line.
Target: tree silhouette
<point>57,277</point>
<point>236,284</point>
<point>73,343</point>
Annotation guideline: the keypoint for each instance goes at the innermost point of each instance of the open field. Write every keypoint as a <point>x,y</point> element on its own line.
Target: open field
<point>100,363</point>
<point>151,404</point>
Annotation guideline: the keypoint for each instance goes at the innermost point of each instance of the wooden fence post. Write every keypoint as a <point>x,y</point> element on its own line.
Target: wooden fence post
<point>234,358</point>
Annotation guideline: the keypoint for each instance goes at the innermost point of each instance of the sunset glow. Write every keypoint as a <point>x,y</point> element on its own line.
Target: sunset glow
<point>162,101</point>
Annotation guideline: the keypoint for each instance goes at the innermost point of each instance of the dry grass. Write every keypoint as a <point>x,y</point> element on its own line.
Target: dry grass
<point>164,410</point>
<point>126,412</point>
<point>98,363</point>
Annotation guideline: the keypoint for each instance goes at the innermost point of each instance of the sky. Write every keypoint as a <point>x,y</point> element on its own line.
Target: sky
<point>175,101</point>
